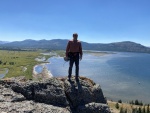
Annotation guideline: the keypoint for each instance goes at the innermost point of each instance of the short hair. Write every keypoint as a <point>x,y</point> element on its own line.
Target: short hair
<point>75,34</point>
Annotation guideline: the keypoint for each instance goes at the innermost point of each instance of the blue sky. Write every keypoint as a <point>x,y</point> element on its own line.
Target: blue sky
<point>96,21</point>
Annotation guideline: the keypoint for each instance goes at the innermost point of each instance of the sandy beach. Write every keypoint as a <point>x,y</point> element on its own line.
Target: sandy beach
<point>98,53</point>
<point>44,74</point>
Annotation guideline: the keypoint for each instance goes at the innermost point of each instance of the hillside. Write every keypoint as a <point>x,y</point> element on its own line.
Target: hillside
<point>3,42</point>
<point>59,44</point>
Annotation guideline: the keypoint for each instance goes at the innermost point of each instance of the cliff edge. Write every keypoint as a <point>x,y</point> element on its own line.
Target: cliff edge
<point>53,95</point>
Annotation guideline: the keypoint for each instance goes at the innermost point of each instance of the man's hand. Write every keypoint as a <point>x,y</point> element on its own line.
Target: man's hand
<point>80,58</point>
<point>66,57</point>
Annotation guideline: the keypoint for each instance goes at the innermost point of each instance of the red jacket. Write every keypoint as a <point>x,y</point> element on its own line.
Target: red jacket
<point>74,46</point>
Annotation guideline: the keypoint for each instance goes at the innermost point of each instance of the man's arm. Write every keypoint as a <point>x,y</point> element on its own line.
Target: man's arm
<point>67,49</point>
<point>80,51</point>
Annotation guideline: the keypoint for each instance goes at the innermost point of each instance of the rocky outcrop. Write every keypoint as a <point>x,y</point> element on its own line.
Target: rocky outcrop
<point>54,95</point>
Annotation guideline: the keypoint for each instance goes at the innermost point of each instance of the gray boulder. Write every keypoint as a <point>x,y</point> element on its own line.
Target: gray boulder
<point>93,108</point>
<point>82,92</point>
<point>30,107</point>
<point>8,95</point>
<point>54,95</point>
<point>49,91</point>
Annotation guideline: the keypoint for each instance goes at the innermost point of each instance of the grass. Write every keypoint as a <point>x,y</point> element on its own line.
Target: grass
<point>2,71</point>
<point>16,61</point>
<point>124,106</point>
<point>47,57</point>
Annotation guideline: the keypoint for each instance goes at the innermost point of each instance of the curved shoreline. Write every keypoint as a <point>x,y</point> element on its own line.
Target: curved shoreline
<point>47,74</point>
<point>3,74</point>
<point>44,74</point>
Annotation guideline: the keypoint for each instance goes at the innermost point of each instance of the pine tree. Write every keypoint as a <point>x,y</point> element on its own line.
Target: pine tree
<point>131,102</point>
<point>121,110</point>
<point>120,101</point>
<point>143,111</point>
<point>136,102</point>
<point>140,111</point>
<point>148,111</point>
<point>117,105</point>
<point>141,103</point>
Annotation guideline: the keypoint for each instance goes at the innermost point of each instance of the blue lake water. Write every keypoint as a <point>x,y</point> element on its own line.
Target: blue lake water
<point>2,75</point>
<point>122,75</point>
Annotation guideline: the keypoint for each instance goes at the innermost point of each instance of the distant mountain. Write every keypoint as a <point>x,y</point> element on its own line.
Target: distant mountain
<point>36,44</point>
<point>39,44</point>
<point>3,42</point>
<point>59,44</point>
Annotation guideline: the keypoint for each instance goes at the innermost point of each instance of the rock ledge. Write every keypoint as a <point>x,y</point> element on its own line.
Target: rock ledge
<point>53,95</point>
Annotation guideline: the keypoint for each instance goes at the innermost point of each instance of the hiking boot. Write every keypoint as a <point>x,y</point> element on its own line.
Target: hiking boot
<point>69,78</point>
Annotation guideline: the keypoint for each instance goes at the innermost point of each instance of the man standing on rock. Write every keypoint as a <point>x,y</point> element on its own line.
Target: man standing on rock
<point>74,53</point>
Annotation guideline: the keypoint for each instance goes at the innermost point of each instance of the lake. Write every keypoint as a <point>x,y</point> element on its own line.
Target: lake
<point>4,73</point>
<point>122,75</point>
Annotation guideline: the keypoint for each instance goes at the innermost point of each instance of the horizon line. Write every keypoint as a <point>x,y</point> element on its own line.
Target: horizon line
<point>69,39</point>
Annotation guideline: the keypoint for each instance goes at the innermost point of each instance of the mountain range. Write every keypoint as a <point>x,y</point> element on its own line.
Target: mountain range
<point>3,42</point>
<point>60,44</point>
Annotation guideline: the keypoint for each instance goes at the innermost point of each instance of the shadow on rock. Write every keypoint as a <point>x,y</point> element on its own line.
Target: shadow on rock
<point>83,92</point>
<point>83,96</point>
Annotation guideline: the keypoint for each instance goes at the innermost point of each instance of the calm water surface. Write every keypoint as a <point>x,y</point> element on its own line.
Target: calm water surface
<point>2,75</point>
<point>122,75</point>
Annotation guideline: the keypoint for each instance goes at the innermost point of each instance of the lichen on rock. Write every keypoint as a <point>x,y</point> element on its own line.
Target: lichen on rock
<point>56,95</point>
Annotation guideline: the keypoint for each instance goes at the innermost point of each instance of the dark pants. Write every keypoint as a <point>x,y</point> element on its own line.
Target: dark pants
<point>74,58</point>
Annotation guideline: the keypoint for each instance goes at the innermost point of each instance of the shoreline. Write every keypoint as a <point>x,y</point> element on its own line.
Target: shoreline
<point>47,74</point>
<point>44,74</point>
<point>2,75</point>
<point>98,53</point>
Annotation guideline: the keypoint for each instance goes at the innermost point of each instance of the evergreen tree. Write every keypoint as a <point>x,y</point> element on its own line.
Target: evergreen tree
<point>140,111</point>
<point>117,105</point>
<point>1,62</point>
<point>148,111</point>
<point>120,101</point>
<point>141,103</point>
<point>136,102</point>
<point>121,110</point>
<point>131,102</point>
<point>143,111</point>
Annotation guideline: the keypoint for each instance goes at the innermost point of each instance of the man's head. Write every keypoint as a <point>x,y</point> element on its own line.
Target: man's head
<point>75,36</point>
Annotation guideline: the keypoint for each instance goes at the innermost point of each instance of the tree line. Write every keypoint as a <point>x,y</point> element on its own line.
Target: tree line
<point>136,107</point>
